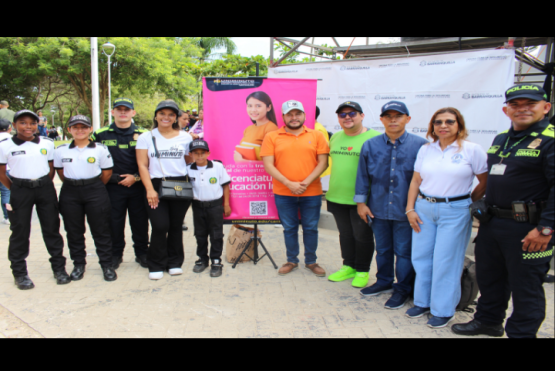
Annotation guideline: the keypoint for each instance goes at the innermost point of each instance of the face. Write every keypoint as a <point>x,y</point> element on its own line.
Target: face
<point>40,114</point>
<point>294,119</point>
<point>350,122</point>
<point>183,120</point>
<point>526,111</point>
<point>201,115</point>
<point>80,131</point>
<point>257,110</point>
<point>200,156</point>
<point>394,122</point>
<point>26,127</point>
<point>446,126</point>
<point>123,115</point>
<point>166,118</point>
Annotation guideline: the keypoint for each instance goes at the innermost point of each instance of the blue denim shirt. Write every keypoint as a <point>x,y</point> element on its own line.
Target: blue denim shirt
<point>384,174</point>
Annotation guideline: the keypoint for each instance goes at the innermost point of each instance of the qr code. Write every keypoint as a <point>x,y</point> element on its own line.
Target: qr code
<point>258,208</point>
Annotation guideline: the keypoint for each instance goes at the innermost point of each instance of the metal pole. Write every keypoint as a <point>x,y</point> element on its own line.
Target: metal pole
<point>94,83</point>
<point>293,49</point>
<point>271,51</point>
<point>257,69</point>
<point>109,89</point>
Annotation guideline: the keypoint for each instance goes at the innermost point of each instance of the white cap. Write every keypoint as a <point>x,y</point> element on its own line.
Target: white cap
<point>291,105</point>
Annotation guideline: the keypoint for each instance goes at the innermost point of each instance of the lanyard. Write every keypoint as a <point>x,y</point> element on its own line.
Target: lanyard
<point>507,152</point>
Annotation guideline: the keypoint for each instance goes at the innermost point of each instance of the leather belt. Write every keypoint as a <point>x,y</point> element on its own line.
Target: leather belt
<point>501,213</point>
<point>30,183</point>
<point>206,204</point>
<point>448,199</point>
<point>81,182</point>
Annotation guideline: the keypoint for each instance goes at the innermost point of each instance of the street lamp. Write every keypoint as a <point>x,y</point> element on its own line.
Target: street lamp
<point>109,49</point>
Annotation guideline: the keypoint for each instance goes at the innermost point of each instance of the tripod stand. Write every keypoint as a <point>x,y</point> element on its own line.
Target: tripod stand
<point>255,259</point>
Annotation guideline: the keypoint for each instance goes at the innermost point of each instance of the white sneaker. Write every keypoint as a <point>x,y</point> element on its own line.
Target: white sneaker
<point>175,271</point>
<point>156,275</point>
<point>6,221</point>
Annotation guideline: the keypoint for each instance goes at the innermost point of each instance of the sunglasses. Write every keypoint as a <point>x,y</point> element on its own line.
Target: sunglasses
<point>344,114</point>
<point>448,122</point>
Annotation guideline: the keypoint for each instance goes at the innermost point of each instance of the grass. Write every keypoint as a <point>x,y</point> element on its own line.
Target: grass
<point>58,142</point>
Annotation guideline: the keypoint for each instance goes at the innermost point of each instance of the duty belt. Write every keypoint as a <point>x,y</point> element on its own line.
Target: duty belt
<point>81,182</point>
<point>501,213</point>
<point>206,204</point>
<point>31,183</point>
<point>448,199</point>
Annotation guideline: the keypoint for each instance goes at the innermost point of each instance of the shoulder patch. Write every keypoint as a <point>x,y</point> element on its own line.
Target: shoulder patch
<point>549,131</point>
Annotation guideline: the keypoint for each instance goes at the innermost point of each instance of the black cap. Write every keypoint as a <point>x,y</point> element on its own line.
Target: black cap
<point>167,104</point>
<point>79,119</point>
<point>126,102</point>
<point>25,112</point>
<point>529,91</point>
<point>353,105</point>
<point>395,105</point>
<point>4,124</point>
<point>198,144</point>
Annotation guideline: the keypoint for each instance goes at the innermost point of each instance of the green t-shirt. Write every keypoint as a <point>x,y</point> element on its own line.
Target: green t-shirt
<point>344,152</point>
<point>7,114</point>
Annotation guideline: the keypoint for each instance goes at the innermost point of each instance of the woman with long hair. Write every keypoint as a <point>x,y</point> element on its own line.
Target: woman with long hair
<point>438,212</point>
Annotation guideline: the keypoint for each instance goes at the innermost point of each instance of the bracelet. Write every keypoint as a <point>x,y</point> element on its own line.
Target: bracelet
<point>409,211</point>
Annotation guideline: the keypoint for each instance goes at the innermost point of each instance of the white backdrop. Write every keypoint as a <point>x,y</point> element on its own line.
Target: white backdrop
<point>472,82</point>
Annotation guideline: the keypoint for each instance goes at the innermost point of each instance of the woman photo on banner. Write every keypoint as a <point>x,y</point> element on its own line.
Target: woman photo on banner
<point>261,112</point>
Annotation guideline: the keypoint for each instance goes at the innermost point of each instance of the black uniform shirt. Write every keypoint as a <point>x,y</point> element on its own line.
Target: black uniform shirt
<point>121,144</point>
<point>530,172</point>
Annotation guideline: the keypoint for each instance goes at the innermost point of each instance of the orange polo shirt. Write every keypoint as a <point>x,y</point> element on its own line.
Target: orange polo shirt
<point>295,157</point>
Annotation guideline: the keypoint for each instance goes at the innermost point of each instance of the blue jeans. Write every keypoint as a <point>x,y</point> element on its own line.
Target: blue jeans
<point>393,247</point>
<point>288,209</point>
<point>438,254</point>
<point>5,197</point>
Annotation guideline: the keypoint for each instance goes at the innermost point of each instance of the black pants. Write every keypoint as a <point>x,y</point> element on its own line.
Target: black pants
<point>128,200</point>
<point>209,221</point>
<point>22,201</point>
<point>91,200</point>
<point>502,269</point>
<point>166,240</point>
<point>356,238</point>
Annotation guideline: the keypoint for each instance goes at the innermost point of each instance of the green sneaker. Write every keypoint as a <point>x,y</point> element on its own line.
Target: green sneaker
<point>361,279</point>
<point>343,274</point>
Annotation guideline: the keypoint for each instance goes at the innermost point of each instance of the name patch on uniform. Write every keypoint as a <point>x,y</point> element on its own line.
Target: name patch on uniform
<point>110,143</point>
<point>123,146</point>
<point>17,153</point>
<point>493,149</point>
<point>67,160</point>
<point>213,180</point>
<point>133,143</point>
<point>527,153</point>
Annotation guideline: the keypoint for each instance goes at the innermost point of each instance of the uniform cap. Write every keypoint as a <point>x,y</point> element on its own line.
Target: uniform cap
<point>198,144</point>
<point>395,105</point>
<point>79,119</point>
<point>353,105</point>
<point>167,104</point>
<point>4,102</point>
<point>291,105</point>
<point>4,124</point>
<point>25,112</point>
<point>529,91</point>
<point>126,102</point>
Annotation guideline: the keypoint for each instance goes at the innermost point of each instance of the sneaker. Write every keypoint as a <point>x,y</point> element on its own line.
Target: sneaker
<point>6,221</point>
<point>216,268</point>
<point>439,322</point>
<point>396,301</point>
<point>175,271</point>
<point>361,279</point>
<point>343,274</point>
<point>375,290</point>
<point>417,312</point>
<point>200,266</point>
<point>156,275</point>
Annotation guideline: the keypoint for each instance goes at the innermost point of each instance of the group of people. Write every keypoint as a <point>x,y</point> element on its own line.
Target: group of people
<point>411,194</point>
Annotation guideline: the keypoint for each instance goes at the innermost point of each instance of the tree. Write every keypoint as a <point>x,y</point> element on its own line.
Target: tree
<point>210,44</point>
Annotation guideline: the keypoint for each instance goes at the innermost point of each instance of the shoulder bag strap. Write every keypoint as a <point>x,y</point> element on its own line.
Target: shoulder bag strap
<point>157,154</point>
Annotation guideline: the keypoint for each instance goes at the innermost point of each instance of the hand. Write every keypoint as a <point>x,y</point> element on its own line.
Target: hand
<point>535,241</point>
<point>227,210</point>
<point>237,157</point>
<point>195,136</point>
<point>363,210</point>
<point>128,181</point>
<point>414,221</point>
<point>296,188</point>
<point>152,198</point>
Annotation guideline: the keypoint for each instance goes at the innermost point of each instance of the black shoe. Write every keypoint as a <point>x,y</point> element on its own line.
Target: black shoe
<point>200,266</point>
<point>184,227</point>
<point>24,283</point>
<point>474,327</point>
<point>62,277</point>
<point>116,261</point>
<point>216,268</point>
<point>109,274</point>
<point>78,272</point>
<point>549,278</point>
<point>142,261</point>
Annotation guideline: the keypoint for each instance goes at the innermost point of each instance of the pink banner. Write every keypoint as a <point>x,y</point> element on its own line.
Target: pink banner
<point>238,112</point>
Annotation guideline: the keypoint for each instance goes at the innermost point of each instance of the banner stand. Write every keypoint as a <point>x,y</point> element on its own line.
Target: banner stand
<point>255,259</point>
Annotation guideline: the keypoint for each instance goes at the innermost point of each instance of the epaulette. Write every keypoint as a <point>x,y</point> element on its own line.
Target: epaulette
<point>50,139</point>
<point>549,131</point>
<point>3,140</point>
<point>103,129</point>
<point>141,130</point>
<point>62,145</point>
<point>218,161</point>
<point>503,132</point>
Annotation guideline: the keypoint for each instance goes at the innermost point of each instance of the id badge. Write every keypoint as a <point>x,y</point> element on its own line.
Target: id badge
<point>498,169</point>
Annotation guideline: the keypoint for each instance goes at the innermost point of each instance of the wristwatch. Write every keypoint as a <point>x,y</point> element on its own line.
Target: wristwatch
<point>546,231</point>
<point>137,177</point>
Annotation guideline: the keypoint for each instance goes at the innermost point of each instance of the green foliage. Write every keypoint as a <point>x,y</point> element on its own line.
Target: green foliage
<point>210,44</point>
<point>234,66</point>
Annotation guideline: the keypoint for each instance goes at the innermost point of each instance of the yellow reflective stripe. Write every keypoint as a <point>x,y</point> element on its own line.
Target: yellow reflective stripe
<point>549,131</point>
<point>537,255</point>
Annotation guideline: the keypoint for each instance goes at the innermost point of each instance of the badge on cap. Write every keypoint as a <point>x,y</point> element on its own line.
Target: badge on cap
<point>292,104</point>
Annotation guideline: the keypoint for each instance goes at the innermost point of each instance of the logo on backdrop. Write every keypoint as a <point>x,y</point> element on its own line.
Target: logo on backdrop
<point>477,131</point>
<point>481,95</point>
<point>488,58</point>
<point>432,96</point>
<point>419,130</point>
<point>323,98</point>
<point>318,68</point>
<point>351,68</point>
<point>389,97</point>
<point>353,97</point>
<point>405,64</point>
<point>276,71</point>
<point>435,63</point>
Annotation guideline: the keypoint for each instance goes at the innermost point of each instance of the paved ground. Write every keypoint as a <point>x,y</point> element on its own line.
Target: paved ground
<point>249,301</point>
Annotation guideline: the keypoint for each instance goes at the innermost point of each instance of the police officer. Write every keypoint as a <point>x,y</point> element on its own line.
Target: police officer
<point>31,170</point>
<point>127,192</point>
<point>85,166</point>
<point>514,248</point>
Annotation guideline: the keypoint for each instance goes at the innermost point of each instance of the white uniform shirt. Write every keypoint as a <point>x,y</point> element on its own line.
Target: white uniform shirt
<point>172,152</point>
<point>208,180</point>
<point>5,135</point>
<point>449,173</point>
<point>82,163</point>
<point>27,159</point>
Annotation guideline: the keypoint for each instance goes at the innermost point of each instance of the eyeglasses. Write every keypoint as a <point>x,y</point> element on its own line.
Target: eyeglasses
<point>344,114</point>
<point>448,122</point>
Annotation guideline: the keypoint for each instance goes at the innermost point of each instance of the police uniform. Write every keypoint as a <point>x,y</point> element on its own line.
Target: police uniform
<point>32,186</point>
<point>83,193</point>
<point>521,168</point>
<point>121,143</point>
<point>208,210</point>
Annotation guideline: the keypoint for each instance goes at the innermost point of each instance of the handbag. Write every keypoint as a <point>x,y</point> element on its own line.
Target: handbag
<point>179,190</point>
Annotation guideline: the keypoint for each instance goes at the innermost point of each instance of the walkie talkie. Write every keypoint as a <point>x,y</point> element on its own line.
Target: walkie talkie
<point>520,213</point>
